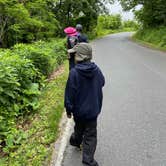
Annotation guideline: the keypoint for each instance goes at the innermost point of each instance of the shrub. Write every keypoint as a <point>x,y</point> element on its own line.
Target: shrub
<point>22,70</point>
<point>131,24</point>
<point>19,89</point>
<point>110,22</point>
<point>155,36</point>
<point>45,56</point>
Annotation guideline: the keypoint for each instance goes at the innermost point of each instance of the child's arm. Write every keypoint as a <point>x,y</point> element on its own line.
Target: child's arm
<point>70,92</point>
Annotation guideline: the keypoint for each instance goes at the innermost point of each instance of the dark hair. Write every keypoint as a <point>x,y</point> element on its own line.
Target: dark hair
<point>79,27</point>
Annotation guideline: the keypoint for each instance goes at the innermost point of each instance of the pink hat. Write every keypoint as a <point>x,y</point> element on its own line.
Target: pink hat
<point>70,31</point>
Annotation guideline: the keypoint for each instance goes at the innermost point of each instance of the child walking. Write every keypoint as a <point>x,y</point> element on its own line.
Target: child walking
<point>72,40</point>
<point>83,100</point>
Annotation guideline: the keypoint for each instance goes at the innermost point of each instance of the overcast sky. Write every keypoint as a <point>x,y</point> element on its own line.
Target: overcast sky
<point>117,9</point>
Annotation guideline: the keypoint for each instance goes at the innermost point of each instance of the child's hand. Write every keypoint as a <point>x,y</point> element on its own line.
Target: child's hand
<point>68,55</point>
<point>69,115</point>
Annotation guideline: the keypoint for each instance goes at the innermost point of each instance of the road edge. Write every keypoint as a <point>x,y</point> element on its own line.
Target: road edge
<point>61,143</point>
<point>147,45</point>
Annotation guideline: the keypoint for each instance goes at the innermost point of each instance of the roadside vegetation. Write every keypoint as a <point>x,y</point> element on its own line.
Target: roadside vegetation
<point>153,37</point>
<point>152,20</point>
<point>26,21</point>
<point>28,122</point>
<point>108,24</point>
<point>38,131</point>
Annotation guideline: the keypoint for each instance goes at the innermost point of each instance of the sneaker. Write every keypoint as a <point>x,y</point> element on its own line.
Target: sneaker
<point>94,163</point>
<point>74,143</point>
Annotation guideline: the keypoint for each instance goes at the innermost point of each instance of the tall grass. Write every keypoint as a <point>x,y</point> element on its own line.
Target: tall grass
<point>154,36</point>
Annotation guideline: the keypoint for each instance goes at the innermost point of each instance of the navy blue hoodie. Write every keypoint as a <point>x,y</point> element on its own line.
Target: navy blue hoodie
<point>83,93</point>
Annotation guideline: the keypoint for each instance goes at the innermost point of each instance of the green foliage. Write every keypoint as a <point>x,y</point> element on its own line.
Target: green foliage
<point>154,36</point>
<point>22,70</point>
<point>19,88</point>
<point>107,24</point>
<point>42,128</point>
<point>26,21</point>
<point>152,17</point>
<point>131,24</point>
<point>45,56</point>
<point>72,12</point>
<point>109,21</point>
<point>152,13</point>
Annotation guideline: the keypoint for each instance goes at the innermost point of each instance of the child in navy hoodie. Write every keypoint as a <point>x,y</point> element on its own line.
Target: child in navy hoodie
<point>83,100</point>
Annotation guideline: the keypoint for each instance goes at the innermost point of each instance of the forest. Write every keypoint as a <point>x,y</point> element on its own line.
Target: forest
<point>31,20</point>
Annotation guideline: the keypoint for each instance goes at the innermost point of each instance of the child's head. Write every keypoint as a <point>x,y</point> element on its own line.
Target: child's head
<point>83,52</point>
<point>70,31</point>
<point>79,28</point>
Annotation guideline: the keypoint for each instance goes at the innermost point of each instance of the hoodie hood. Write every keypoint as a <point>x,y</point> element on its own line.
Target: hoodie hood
<point>86,69</point>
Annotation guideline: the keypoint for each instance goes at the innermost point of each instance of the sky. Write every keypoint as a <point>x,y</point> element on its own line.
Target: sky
<point>117,9</point>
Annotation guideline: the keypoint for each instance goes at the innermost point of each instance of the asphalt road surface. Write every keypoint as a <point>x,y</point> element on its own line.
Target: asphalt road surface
<point>132,125</point>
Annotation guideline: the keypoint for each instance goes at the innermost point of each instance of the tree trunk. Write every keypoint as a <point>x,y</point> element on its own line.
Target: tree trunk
<point>68,15</point>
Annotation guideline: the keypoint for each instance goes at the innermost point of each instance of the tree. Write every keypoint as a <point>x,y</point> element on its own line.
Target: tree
<point>130,24</point>
<point>30,20</point>
<point>151,14</point>
<point>11,15</point>
<point>70,12</point>
<point>41,12</point>
<point>26,21</point>
<point>109,21</point>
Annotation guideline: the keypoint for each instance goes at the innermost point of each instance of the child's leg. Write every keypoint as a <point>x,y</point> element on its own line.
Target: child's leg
<point>89,143</point>
<point>77,136</point>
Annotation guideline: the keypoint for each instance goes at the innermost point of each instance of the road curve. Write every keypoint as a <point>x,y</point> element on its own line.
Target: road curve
<point>132,125</point>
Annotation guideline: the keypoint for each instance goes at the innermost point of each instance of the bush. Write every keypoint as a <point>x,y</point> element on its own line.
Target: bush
<point>155,36</point>
<point>42,128</point>
<point>45,56</point>
<point>130,24</point>
<point>110,22</point>
<point>19,89</point>
<point>22,70</point>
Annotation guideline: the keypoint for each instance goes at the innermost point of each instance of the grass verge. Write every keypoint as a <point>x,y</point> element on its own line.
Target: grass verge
<point>148,45</point>
<point>42,128</point>
<point>105,32</point>
<point>153,38</point>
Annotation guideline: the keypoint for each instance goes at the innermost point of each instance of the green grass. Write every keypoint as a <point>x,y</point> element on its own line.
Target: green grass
<point>41,129</point>
<point>98,33</point>
<point>154,38</point>
<point>104,32</point>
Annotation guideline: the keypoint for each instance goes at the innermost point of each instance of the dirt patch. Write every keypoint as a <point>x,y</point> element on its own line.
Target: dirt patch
<point>56,73</point>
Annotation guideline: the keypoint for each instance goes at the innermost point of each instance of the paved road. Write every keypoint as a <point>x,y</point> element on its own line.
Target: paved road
<point>132,126</point>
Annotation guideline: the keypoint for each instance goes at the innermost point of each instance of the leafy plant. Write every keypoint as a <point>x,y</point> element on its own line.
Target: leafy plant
<point>154,36</point>
<point>45,56</point>
<point>22,73</point>
<point>33,144</point>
